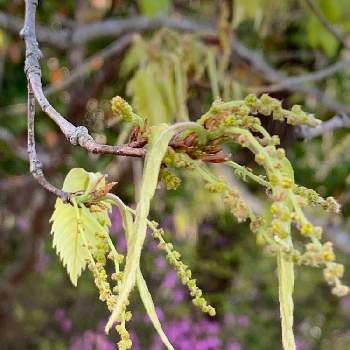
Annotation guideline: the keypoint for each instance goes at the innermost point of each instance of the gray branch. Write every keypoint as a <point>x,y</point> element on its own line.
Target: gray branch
<point>58,39</point>
<point>309,77</point>
<point>36,167</point>
<point>337,122</point>
<point>76,135</point>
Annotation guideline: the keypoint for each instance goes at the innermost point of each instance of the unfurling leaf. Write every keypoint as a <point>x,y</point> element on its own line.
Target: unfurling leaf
<point>157,147</point>
<point>286,287</point>
<point>147,300</point>
<point>145,294</point>
<point>67,227</point>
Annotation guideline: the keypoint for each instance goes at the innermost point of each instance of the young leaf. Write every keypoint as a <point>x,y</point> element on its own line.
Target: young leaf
<point>286,287</point>
<point>141,283</point>
<point>157,147</point>
<point>76,180</point>
<point>65,224</point>
<point>148,97</point>
<point>67,239</point>
<point>151,311</point>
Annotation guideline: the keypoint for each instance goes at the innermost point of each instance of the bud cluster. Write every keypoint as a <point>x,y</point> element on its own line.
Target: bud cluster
<point>106,293</point>
<point>218,186</point>
<point>125,342</point>
<point>123,110</point>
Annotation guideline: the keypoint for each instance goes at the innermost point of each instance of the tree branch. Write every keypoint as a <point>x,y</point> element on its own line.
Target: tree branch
<point>117,27</point>
<point>308,77</point>
<point>58,39</point>
<point>337,122</point>
<point>76,135</point>
<point>35,164</point>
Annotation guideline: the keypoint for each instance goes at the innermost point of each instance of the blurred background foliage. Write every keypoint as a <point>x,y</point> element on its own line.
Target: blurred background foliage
<point>170,76</point>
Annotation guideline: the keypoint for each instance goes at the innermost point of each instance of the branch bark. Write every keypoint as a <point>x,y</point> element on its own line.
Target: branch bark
<point>36,167</point>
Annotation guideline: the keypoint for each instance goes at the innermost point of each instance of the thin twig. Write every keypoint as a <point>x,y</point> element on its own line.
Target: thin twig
<point>35,164</point>
<point>306,78</point>
<point>337,122</point>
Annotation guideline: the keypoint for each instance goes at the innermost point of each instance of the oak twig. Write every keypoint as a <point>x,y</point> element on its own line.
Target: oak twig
<point>35,164</point>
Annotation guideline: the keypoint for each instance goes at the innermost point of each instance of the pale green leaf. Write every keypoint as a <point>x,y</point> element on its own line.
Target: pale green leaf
<point>181,88</point>
<point>141,283</point>
<point>286,287</point>
<point>157,147</point>
<point>287,168</point>
<point>319,37</point>
<point>213,74</point>
<point>148,96</point>
<point>76,180</point>
<point>134,56</point>
<point>67,238</point>
<point>146,298</point>
<point>79,180</point>
<point>65,229</point>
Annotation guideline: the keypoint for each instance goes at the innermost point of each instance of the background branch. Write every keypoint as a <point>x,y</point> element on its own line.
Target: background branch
<point>337,122</point>
<point>308,77</point>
